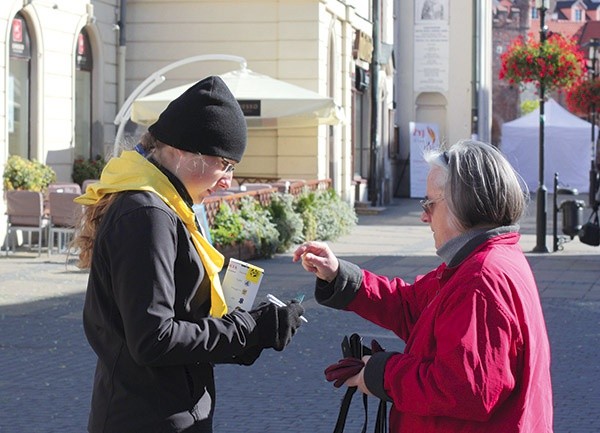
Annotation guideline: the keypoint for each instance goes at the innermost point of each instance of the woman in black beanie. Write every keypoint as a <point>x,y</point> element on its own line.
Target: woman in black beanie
<point>154,311</point>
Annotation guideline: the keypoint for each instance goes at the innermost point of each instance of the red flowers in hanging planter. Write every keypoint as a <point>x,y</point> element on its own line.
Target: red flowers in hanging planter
<point>584,97</point>
<point>557,63</point>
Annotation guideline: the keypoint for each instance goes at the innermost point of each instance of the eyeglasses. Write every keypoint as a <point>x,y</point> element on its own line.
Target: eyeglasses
<point>228,167</point>
<point>427,204</point>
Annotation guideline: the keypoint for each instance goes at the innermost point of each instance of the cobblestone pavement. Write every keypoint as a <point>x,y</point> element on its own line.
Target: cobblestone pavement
<point>46,366</point>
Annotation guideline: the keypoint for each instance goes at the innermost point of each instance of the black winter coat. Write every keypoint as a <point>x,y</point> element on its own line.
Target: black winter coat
<point>146,317</point>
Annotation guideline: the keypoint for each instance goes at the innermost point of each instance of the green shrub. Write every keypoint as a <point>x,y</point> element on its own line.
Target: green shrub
<point>258,227</point>
<point>24,174</point>
<point>325,215</point>
<point>84,169</point>
<point>339,216</point>
<point>313,215</point>
<point>289,224</point>
<point>227,227</point>
<point>305,206</point>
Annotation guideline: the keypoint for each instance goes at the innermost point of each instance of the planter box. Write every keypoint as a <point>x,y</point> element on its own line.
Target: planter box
<point>243,251</point>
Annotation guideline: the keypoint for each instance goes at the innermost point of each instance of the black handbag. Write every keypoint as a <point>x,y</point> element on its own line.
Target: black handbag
<point>353,347</point>
<point>590,232</point>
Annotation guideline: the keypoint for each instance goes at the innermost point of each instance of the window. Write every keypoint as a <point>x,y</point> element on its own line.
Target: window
<point>83,96</point>
<point>577,14</point>
<point>19,82</point>
<point>360,125</point>
<point>534,13</point>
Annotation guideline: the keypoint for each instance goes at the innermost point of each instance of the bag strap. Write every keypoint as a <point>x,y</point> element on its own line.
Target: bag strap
<point>381,422</point>
<point>593,218</point>
<point>353,347</point>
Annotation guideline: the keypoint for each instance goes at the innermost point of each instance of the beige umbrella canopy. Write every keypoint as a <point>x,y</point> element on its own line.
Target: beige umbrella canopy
<point>266,102</point>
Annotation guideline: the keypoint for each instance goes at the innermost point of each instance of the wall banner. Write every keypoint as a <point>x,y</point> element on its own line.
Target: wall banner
<point>423,136</point>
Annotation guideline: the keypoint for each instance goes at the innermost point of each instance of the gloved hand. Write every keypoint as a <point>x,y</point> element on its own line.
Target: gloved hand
<point>276,325</point>
<point>345,368</point>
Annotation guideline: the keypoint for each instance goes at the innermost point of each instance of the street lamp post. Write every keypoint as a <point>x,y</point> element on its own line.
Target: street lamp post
<point>542,192</point>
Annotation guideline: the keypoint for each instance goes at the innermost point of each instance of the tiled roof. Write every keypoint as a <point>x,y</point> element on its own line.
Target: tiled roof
<point>589,30</point>
<point>565,28</point>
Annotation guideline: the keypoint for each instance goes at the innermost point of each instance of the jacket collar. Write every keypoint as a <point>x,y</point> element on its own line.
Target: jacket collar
<point>468,244</point>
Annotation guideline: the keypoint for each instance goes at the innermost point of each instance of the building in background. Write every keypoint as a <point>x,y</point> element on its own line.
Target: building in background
<point>322,45</point>
<point>69,65</point>
<point>444,80</point>
<point>57,80</point>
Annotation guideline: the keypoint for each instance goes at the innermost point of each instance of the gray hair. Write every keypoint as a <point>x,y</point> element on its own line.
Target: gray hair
<point>480,186</point>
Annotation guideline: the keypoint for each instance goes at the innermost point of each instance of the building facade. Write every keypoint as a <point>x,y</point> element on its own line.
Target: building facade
<point>57,80</point>
<point>445,80</point>
<point>321,45</point>
<point>69,65</point>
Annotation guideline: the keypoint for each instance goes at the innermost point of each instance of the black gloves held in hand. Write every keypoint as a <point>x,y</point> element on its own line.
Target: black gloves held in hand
<point>276,325</point>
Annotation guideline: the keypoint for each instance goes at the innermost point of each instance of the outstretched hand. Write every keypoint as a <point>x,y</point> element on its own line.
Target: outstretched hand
<point>318,258</point>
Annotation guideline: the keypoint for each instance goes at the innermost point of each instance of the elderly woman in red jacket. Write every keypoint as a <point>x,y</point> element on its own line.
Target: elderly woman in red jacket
<point>477,357</point>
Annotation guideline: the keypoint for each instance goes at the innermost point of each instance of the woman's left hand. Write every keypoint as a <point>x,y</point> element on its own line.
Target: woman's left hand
<point>359,379</point>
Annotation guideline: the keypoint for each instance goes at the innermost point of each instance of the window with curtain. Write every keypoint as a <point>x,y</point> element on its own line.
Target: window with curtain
<point>19,82</point>
<point>83,96</point>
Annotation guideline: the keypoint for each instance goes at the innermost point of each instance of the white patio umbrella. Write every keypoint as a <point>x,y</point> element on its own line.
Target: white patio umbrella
<point>266,102</point>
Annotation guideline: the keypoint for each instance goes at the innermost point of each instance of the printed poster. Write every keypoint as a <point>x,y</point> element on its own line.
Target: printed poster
<point>423,136</point>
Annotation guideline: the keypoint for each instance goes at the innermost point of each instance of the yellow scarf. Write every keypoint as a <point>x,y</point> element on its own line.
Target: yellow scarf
<point>130,172</point>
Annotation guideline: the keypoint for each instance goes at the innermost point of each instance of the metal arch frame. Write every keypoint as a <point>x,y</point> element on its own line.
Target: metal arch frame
<point>154,80</point>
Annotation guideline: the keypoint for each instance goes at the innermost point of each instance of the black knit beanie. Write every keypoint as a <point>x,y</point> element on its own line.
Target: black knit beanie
<point>205,119</point>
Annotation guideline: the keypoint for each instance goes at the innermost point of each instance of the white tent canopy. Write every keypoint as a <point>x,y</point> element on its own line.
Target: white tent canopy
<point>267,102</point>
<point>567,147</point>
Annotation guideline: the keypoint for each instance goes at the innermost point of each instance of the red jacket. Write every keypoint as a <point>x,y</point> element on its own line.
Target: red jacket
<point>477,357</point>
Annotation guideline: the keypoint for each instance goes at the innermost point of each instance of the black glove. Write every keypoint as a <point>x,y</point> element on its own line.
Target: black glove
<point>276,325</point>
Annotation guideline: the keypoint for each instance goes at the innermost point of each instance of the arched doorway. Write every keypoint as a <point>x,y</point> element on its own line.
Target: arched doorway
<point>19,89</point>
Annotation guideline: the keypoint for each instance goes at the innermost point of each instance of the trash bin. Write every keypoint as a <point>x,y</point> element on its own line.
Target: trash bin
<point>572,216</point>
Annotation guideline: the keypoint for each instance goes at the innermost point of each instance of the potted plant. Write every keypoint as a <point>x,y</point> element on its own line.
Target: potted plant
<point>259,228</point>
<point>325,215</point>
<point>227,231</point>
<point>289,224</point>
<point>584,97</point>
<point>24,174</point>
<point>556,63</point>
<point>84,169</point>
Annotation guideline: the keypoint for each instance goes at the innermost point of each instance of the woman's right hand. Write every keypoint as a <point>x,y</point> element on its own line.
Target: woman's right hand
<point>318,258</point>
<point>277,325</point>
